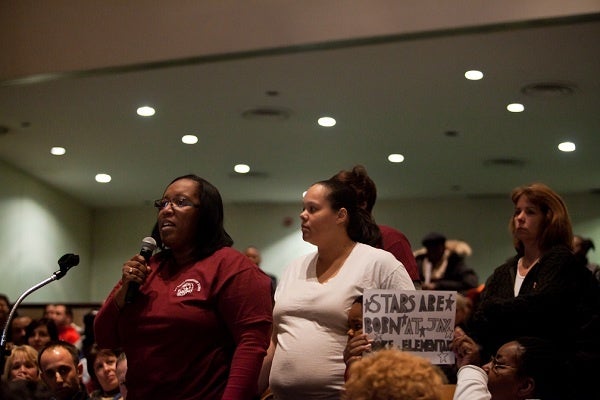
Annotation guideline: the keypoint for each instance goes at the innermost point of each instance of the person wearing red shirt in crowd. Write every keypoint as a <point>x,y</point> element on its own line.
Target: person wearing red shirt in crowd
<point>63,317</point>
<point>200,325</point>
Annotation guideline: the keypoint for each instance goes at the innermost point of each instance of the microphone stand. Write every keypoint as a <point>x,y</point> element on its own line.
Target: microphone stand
<point>66,262</point>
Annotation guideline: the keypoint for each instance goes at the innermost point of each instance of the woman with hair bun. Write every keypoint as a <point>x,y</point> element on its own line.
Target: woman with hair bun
<point>317,290</point>
<point>392,240</point>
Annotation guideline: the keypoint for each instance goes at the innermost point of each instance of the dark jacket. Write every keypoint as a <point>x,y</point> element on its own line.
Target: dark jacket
<point>557,300</point>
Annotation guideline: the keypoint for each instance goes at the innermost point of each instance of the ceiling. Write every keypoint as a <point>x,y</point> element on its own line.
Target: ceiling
<point>404,94</point>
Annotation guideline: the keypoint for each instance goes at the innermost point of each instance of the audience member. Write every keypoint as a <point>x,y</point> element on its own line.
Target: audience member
<point>61,370</point>
<point>88,341</point>
<point>464,310</point>
<point>525,368</point>
<point>315,292</point>
<point>199,326</point>
<point>21,364</point>
<point>121,374</point>
<point>102,368</point>
<point>40,332</point>
<point>355,318</point>
<point>474,295</point>
<point>581,246</point>
<point>541,291</point>
<point>49,311</point>
<point>442,264</point>
<point>17,330</point>
<point>355,326</point>
<point>392,240</point>
<point>392,374</point>
<point>25,390</point>
<point>4,310</point>
<point>253,254</point>
<point>4,314</point>
<point>62,315</point>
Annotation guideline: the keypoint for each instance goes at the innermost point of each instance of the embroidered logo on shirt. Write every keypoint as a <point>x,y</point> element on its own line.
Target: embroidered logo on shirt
<point>186,287</point>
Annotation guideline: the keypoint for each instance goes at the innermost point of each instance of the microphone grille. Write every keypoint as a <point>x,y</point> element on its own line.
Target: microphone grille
<point>149,243</point>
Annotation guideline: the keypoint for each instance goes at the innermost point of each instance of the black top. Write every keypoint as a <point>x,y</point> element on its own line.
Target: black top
<point>557,300</point>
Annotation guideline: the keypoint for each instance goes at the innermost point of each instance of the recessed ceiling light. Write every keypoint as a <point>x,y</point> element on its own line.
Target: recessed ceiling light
<point>326,122</point>
<point>396,158</point>
<point>515,107</point>
<point>103,178</point>
<point>189,139</point>
<point>567,147</point>
<point>241,169</point>
<point>474,75</point>
<point>58,151</point>
<point>146,111</point>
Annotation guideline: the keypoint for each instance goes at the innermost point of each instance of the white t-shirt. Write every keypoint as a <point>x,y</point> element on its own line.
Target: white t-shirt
<point>518,282</point>
<point>311,320</point>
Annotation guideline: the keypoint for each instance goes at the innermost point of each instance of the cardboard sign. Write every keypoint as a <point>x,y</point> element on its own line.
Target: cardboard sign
<point>420,322</point>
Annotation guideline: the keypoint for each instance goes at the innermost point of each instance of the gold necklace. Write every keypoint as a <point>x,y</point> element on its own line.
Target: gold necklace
<point>521,263</point>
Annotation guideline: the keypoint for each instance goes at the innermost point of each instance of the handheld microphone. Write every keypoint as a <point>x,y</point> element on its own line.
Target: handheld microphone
<point>148,247</point>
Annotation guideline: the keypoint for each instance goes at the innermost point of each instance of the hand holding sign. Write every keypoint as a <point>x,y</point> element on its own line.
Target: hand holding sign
<point>420,322</point>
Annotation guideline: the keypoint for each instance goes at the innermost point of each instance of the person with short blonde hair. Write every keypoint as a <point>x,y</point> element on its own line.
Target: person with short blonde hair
<point>393,375</point>
<point>22,364</point>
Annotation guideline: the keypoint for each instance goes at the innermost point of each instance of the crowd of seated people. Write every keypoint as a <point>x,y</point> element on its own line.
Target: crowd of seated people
<point>532,332</point>
<point>39,365</point>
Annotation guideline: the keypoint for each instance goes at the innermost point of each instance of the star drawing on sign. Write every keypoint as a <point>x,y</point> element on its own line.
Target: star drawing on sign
<point>449,302</point>
<point>443,358</point>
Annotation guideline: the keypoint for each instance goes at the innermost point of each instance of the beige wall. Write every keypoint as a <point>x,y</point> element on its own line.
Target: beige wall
<point>37,226</point>
<point>40,224</point>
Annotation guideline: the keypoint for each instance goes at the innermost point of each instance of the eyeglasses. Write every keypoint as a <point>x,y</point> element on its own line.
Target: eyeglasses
<point>179,202</point>
<point>496,366</point>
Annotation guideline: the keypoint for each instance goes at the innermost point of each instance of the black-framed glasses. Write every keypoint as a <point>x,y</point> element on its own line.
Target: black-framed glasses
<point>497,366</point>
<point>179,202</point>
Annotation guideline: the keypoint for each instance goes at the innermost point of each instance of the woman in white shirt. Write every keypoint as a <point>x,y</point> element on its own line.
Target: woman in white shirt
<point>316,291</point>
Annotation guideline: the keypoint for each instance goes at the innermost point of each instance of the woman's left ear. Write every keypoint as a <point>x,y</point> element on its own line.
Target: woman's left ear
<point>342,213</point>
<point>526,388</point>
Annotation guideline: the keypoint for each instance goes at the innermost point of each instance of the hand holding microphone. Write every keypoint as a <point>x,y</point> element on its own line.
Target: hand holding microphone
<point>131,271</point>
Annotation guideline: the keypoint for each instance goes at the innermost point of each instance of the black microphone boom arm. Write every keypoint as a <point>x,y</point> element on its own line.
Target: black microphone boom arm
<point>66,262</point>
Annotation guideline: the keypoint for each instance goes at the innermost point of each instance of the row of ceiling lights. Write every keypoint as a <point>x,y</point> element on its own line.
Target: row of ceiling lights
<point>475,75</point>
<point>327,122</point>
